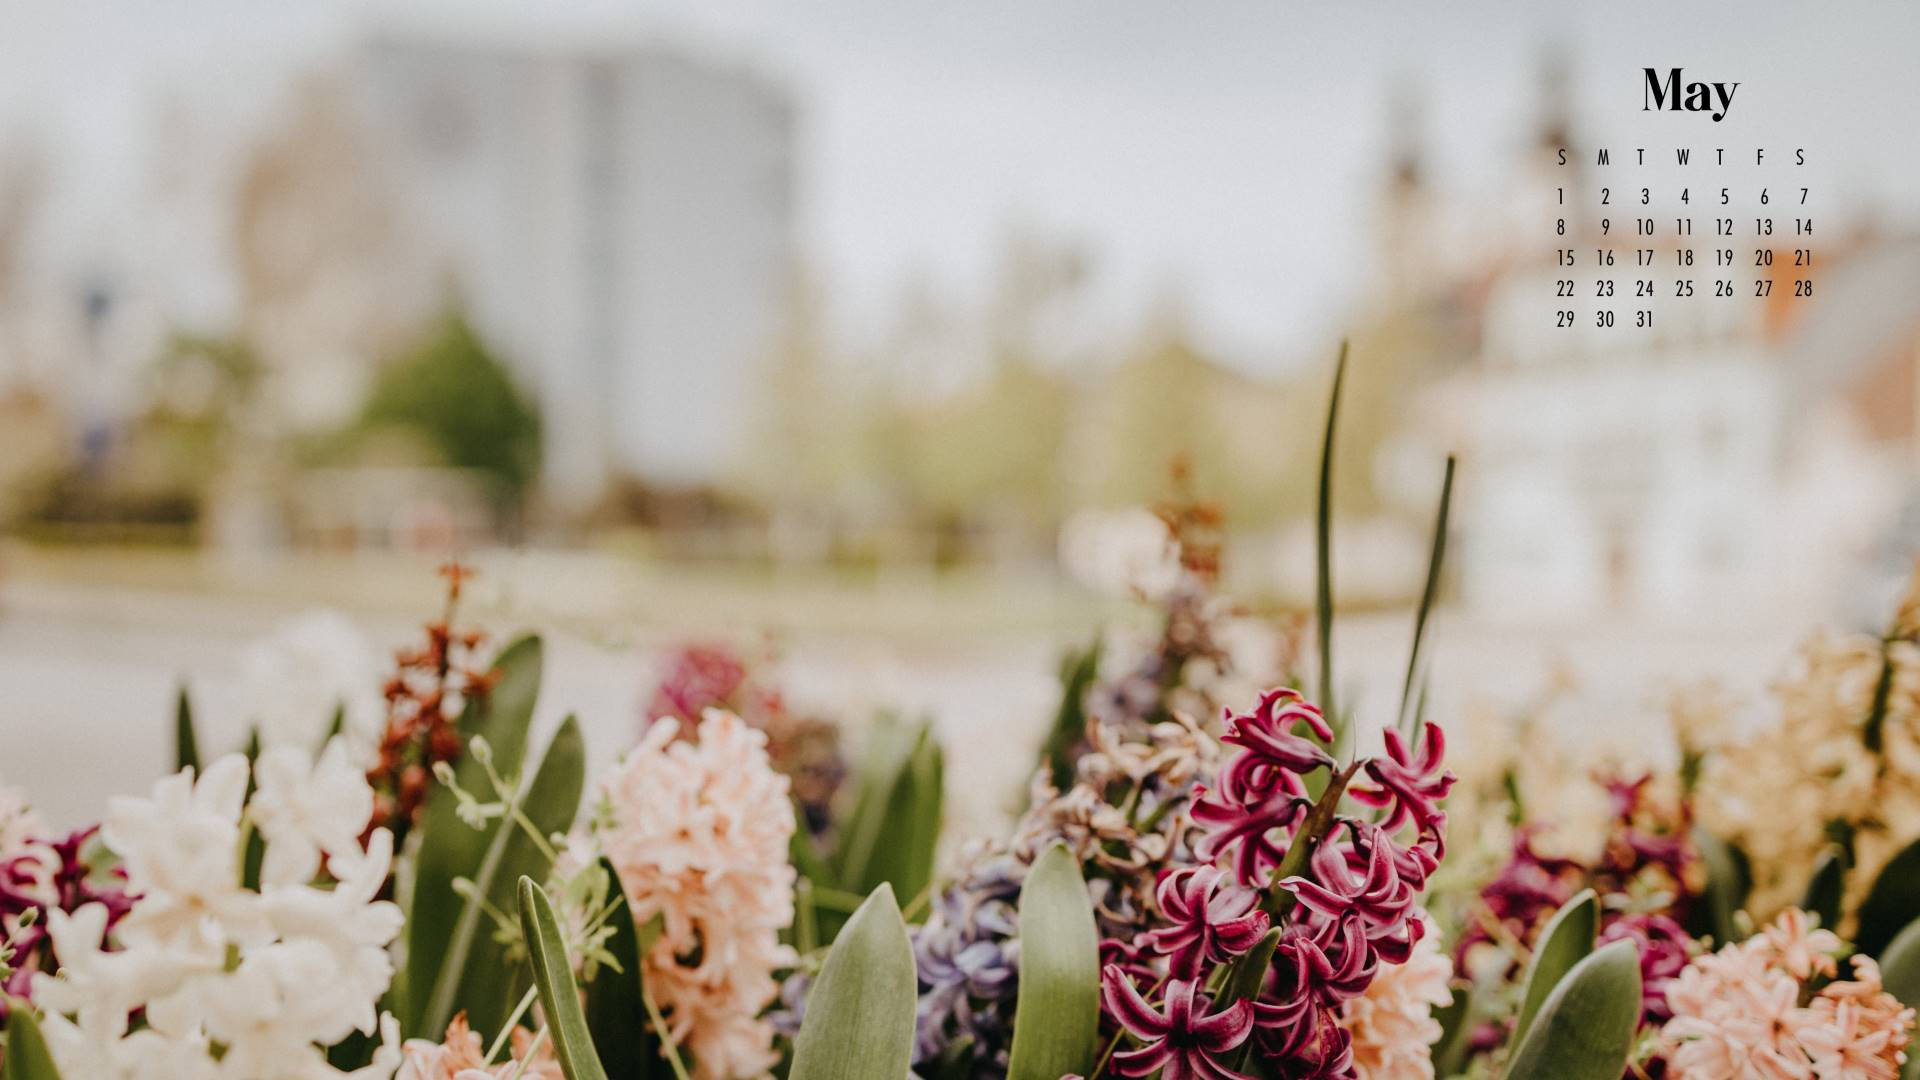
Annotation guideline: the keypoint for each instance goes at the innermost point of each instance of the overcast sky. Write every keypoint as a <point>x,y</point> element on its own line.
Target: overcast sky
<point>1229,150</point>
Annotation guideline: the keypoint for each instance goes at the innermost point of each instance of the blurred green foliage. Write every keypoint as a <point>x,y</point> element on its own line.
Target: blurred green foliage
<point>455,392</point>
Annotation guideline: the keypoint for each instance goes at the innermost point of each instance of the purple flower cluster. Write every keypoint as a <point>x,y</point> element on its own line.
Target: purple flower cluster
<point>50,874</point>
<point>968,957</point>
<point>1340,887</point>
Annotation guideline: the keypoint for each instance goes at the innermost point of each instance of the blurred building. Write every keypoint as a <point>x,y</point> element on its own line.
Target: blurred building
<point>618,220</point>
<point>1736,452</point>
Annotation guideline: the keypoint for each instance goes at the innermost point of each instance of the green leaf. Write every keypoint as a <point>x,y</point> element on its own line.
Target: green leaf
<point>1248,972</point>
<point>27,1055</point>
<point>1244,980</point>
<point>1900,975</point>
<point>1056,1020</point>
<point>1456,1027</point>
<point>895,827</point>
<point>254,854</point>
<point>1069,731</point>
<point>616,1000</point>
<point>559,996</point>
<point>1827,887</point>
<point>859,1020</point>
<point>1900,965</point>
<point>1585,1029</point>
<point>186,746</point>
<point>334,726</point>
<point>449,847</point>
<point>1892,902</point>
<point>476,975</point>
<point>1565,941</point>
<point>1435,560</point>
<point>1323,541</point>
<point>1728,880</point>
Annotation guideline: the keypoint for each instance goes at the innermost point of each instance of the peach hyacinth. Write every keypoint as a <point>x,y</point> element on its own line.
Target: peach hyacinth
<point>1738,1013</point>
<point>699,832</point>
<point>462,1057</point>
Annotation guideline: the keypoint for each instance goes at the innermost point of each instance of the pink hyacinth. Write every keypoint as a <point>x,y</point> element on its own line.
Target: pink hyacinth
<point>1183,1041</point>
<point>1212,917</point>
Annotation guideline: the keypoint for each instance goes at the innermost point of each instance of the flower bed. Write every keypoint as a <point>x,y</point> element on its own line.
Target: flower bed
<point>1210,878</point>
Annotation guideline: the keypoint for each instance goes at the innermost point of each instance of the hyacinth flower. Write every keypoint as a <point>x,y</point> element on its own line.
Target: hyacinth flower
<point>1341,885</point>
<point>1213,918</point>
<point>1261,792</point>
<point>1183,1039</point>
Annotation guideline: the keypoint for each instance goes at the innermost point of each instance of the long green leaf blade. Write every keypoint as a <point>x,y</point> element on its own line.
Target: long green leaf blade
<point>27,1055</point>
<point>449,847</point>
<point>1056,1025</point>
<point>1585,1029</point>
<point>616,1000</point>
<point>1565,941</point>
<point>1323,540</point>
<point>559,996</point>
<point>186,745</point>
<point>859,1019</point>
<point>1435,562</point>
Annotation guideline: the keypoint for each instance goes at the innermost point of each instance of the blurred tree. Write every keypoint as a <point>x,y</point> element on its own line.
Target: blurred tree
<point>454,391</point>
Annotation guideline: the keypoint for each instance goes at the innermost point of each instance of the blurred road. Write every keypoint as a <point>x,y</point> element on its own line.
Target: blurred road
<point>89,662</point>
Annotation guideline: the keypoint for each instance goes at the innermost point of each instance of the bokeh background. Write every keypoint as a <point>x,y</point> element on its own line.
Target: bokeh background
<point>856,333</point>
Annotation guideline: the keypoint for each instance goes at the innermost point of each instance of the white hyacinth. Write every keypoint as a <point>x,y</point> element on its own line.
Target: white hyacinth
<point>294,680</point>
<point>234,984</point>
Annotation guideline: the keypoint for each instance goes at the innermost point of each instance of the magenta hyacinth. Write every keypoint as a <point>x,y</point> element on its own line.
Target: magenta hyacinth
<point>1346,909</point>
<point>1213,918</point>
<point>1260,792</point>
<point>52,874</point>
<point>1180,1041</point>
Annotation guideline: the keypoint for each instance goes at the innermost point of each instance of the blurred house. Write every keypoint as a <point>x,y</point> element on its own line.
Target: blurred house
<point>617,218</point>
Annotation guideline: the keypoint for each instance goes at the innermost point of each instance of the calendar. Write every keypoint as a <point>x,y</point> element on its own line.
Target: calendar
<point>1668,229</point>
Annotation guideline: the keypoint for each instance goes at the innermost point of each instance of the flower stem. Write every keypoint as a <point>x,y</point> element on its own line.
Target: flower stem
<point>666,1037</point>
<point>513,1021</point>
<point>1319,822</point>
<point>533,1050</point>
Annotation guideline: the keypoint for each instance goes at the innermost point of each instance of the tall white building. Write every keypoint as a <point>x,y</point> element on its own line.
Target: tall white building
<point>617,219</point>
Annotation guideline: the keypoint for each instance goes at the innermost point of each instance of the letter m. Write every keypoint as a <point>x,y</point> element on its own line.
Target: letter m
<point>1656,96</point>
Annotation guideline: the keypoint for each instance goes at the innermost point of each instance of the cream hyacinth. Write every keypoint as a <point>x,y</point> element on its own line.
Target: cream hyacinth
<point>233,984</point>
<point>698,832</point>
<point>1738,1012</point>
<point>1776,793</point>
<point>1392,1023</point>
